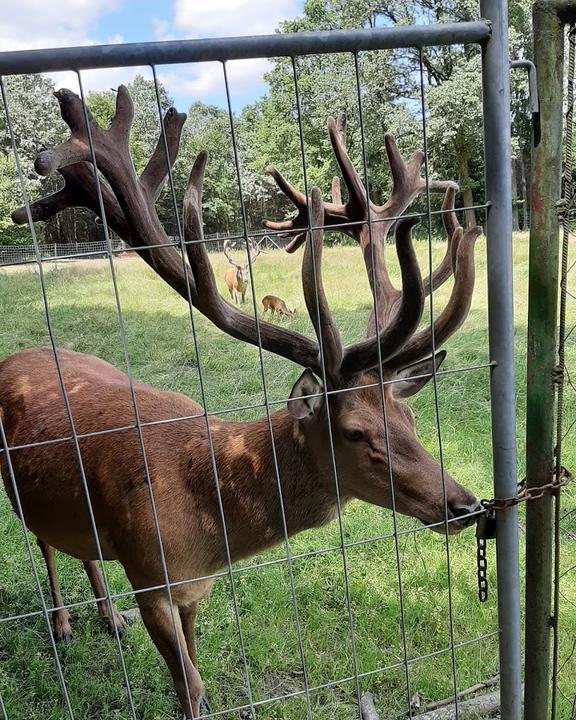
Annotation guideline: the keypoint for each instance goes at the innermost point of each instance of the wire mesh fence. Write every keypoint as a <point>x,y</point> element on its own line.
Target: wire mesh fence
<point>182,499</point>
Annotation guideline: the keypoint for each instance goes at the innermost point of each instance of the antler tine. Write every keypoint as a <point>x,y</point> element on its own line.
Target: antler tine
<point>154,175</point>
<point>314,295</point>
<point>406,180</point>
<point>110,146</point>
<point>122,121</point>
<point>298,199</point>
<point>455,312</point>
<point>354,185</point>
<point>76,148</point>
<point>79,191</point>
<point>365,355</point>
<point>287,343</point>
<point>252,246</point>
<point>226,253</point>
<point>336,189</point>
<point>453,237</point>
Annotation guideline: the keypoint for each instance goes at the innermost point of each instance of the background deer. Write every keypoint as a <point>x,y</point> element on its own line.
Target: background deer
<point>179,468</point>
<point>236,277</point>
<point>276,306</point>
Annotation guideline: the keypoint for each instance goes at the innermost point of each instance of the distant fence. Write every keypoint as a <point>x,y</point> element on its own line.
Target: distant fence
<point>21,254</point>
<point>15,254</point>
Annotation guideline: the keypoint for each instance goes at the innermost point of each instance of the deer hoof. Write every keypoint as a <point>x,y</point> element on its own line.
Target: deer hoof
<point>62,627</point>
<point>116,623</point>
<point>205,707</point>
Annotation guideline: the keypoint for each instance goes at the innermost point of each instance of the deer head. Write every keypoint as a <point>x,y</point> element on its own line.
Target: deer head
<point>374,438</point>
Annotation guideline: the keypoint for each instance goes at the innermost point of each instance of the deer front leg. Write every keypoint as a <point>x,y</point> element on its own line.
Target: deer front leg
<point>157,617</point>
<point>60,617</point>
<point>106,608</point>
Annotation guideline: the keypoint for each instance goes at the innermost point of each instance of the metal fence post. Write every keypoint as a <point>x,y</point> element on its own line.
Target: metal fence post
<point>542,323</point>
<point>496,93</point>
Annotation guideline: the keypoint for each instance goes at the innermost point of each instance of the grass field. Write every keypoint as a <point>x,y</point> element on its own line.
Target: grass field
<point>161,352</point>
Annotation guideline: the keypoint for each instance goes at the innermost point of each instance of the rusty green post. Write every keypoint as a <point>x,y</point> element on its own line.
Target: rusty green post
<point>542,323</point>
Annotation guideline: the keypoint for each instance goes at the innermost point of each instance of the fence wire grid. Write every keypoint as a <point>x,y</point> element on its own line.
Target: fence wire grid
<point>316,678</point>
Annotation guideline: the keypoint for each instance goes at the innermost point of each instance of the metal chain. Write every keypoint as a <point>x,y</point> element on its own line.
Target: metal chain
<point>482,569</point>
<point>561,479</point>
<point>486,529</point>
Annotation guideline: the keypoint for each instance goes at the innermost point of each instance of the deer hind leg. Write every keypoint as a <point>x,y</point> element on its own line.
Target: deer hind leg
<point>106,608</point>
<point>157,617</point>
<point>188,619</point>
<point>60,617</point>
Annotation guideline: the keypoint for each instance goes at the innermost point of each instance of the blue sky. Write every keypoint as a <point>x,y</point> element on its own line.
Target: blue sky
<point>84,22</point>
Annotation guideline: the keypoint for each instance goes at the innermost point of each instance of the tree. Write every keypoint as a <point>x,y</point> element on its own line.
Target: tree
<point>35,122</point>
<point>208,128</point>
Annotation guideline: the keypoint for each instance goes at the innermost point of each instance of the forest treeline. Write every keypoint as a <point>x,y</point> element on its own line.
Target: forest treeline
<point>396,88</point>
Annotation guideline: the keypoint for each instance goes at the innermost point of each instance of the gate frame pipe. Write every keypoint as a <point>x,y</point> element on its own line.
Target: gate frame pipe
<point>498,174</point>
<point>548,36</point>
<point>238,48</point>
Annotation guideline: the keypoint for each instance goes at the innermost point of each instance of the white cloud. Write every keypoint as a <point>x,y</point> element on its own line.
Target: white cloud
<point>161,29</point>
<point>222,18</point>
<point>106,79</point>
<point>74,22</point>
<point>38,24</point>
<point>207,79</point>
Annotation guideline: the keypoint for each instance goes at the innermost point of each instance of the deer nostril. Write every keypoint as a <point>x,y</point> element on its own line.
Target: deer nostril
<point>467,512</point>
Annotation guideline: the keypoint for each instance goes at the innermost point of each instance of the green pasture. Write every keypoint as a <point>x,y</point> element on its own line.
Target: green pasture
<point>162,352</point>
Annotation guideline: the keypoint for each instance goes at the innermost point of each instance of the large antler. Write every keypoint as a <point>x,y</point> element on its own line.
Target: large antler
<point>128,203</point>
<point>227,254</point>
<point>253,252</point>
<point>353,217</point>
<point>129,207</point>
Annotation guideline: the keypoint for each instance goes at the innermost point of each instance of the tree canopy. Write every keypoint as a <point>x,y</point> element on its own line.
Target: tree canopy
<point>390,90</point>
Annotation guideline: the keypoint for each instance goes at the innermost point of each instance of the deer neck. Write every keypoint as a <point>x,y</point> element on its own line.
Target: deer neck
<point>249,483</point>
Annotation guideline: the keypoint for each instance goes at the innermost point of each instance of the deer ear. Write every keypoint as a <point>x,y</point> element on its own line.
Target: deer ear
<point>411,375</point>
<point>300,405</point>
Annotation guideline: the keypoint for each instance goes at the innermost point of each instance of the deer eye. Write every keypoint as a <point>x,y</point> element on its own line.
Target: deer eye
<point>354,435</point>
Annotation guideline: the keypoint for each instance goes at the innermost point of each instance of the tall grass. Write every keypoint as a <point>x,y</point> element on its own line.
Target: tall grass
<point>162,352</point>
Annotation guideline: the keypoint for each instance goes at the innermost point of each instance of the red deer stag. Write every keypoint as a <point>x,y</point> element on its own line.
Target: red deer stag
<point>236,277</point>
<point>179,468</point>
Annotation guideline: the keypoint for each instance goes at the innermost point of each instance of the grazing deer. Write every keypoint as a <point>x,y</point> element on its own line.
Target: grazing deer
<point>236,277</point>
<point>176,433</point>
<point>276,305</point>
